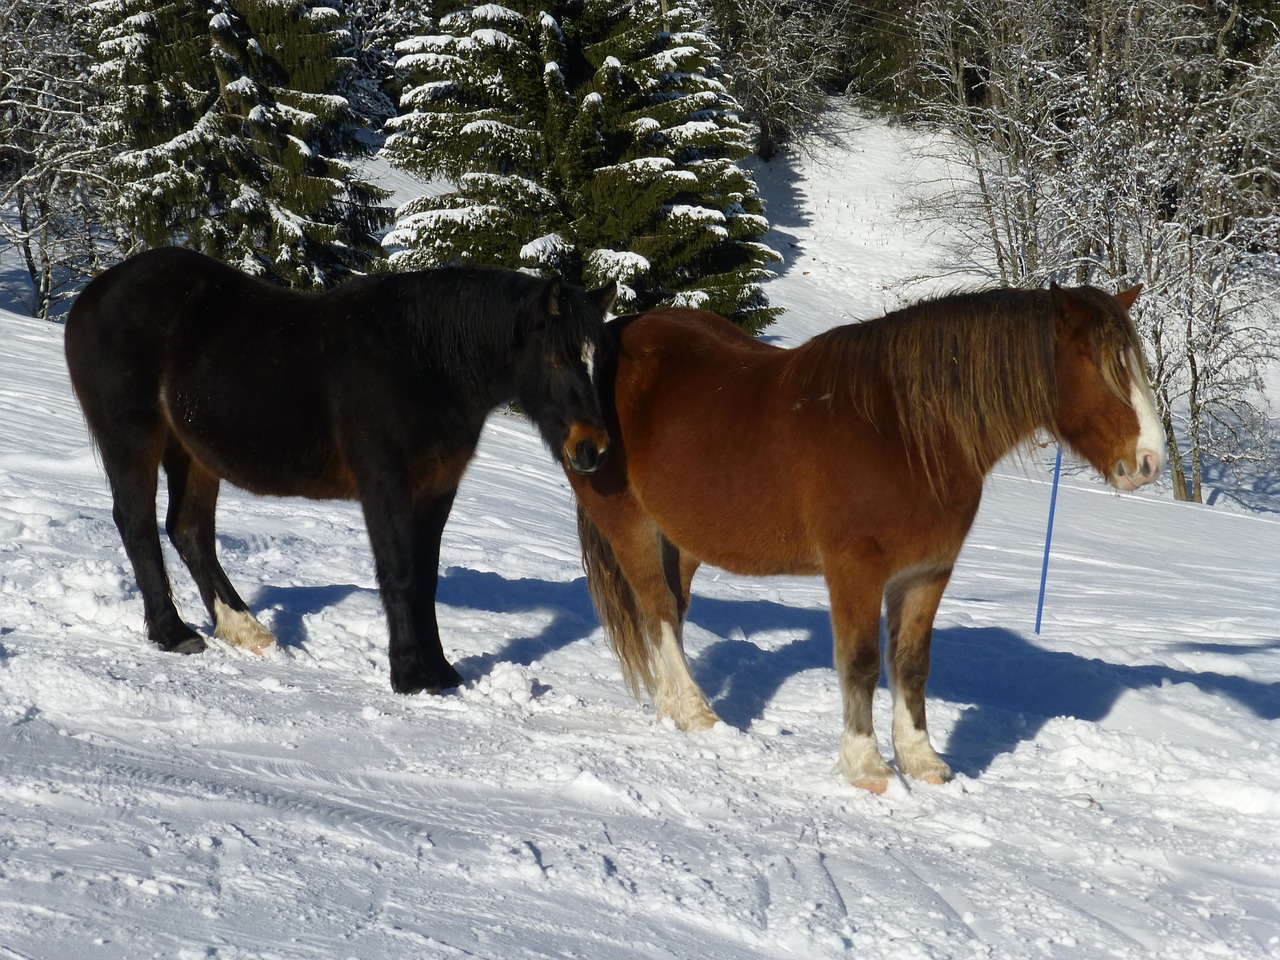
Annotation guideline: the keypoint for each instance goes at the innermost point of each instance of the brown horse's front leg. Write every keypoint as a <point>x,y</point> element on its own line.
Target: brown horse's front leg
<point>855,622</point>
<point>405,538</point>
<point>911,602</point>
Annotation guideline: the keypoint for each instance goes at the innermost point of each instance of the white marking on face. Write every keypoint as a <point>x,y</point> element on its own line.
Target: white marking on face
<point>589,358</point>
<point>1150,433</point>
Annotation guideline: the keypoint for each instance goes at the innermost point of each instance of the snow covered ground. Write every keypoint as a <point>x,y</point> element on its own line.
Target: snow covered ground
<point>1118,787</point>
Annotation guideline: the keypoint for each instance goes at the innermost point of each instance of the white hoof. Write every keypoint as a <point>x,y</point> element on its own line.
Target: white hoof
<point>240,629</point>
<point>862,764</point>
<point>917,759</point>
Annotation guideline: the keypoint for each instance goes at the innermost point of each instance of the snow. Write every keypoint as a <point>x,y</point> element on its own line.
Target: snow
<point>1118,787</point>
<point>546,248</point>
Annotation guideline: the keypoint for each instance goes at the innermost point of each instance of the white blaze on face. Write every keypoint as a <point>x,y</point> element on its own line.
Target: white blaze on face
<point>589,359</point>
<point>1150,433</point>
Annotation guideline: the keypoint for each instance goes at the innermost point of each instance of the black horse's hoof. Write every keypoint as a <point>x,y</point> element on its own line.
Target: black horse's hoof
<point>426,681</point>
<point>187,645</point>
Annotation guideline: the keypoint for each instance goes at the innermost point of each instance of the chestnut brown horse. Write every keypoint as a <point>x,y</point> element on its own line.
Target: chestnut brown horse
<point>376,390</point>
<point>859,455</point>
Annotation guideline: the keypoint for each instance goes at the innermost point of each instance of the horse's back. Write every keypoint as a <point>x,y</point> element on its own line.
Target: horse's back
<point>681,329</point>
<point>172,340</point>
<point>748,460</point>
<point>124,318</point>
<point>118,331</point>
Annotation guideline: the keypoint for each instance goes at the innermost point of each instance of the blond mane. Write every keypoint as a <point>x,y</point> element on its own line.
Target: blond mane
<point>973,370</point>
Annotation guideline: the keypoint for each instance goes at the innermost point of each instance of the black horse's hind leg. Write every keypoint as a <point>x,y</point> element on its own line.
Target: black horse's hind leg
<point>133,471</point>
<point>405,537</point>
<point>190,524</point>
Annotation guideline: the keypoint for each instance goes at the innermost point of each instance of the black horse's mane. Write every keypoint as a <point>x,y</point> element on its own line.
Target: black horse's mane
<point>454,315</point>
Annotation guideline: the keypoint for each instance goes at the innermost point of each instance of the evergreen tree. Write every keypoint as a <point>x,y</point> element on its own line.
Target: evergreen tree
<point>231,139</point>
<point>376,27</point>
<point>594,139</point>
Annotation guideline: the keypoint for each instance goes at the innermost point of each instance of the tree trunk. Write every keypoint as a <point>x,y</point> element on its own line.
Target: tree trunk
<point>1176,472</point>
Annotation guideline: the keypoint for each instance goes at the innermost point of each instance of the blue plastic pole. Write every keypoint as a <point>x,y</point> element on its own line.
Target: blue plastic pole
<point>1048,536</point>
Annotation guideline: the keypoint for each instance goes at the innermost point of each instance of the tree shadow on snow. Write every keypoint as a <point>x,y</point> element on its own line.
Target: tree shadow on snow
<point>786,207</point>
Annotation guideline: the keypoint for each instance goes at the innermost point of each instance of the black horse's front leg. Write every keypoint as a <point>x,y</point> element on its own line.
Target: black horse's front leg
<point>435,672</point>
<point>405,537</point>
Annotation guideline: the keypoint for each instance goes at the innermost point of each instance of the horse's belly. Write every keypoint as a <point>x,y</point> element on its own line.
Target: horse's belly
<point>748,532</point>
<point>276,449</point>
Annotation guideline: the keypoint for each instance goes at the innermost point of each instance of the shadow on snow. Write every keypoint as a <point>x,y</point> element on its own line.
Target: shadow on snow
<point>1011,687</point>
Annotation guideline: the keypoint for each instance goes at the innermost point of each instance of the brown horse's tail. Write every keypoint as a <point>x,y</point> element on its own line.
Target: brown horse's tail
<point>616,604</point>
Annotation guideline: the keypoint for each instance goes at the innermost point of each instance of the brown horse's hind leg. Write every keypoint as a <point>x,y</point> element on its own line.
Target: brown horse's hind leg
<point>639,584</point>
<point>677,695</point>
<point>855,621</point>
<point>190,524</point>
<point>911,603</point>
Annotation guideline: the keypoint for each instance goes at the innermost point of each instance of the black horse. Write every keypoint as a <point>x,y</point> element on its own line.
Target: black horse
<point>376,390</point>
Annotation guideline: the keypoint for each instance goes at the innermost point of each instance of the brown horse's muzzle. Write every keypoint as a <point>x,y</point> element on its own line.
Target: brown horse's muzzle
<point>584,449</point>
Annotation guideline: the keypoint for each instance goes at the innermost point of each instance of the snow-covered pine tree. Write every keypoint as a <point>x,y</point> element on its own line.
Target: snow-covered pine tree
<point>376,26</point>
<point>594,139</point>
<point>230,139</point>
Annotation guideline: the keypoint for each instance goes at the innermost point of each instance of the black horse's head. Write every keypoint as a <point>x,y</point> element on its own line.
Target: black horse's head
<point>565,350</point>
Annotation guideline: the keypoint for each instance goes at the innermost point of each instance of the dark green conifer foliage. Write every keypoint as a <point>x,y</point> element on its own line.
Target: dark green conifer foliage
<point>594,139</point>
<point>230,139</point>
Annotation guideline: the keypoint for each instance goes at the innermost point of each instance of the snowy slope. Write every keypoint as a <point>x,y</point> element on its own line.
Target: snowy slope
<point>1118,788</point>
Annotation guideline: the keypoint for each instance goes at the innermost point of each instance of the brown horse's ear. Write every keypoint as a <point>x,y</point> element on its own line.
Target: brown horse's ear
<point>1127,297</point>
<point>1074,313</point>
<point>552,297</point>
<point>604,297</point>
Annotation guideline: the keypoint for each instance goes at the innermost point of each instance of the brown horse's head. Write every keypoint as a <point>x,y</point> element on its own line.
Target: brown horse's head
<point>1105,408</point>
<point>559,372</point>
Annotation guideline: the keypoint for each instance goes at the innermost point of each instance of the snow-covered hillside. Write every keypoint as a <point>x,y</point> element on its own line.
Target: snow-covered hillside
<point>1118,788</point>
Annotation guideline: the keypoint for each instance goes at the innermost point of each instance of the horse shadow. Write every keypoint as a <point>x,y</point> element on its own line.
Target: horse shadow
<point>573,617</point>
<point>1014,687</point>
<point>568,604</point>
<point>293,604</point>
<point>1011,686</point>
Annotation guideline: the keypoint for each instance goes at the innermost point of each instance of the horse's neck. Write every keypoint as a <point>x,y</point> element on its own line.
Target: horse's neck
<point>947,425</point>
<point>477,360</point>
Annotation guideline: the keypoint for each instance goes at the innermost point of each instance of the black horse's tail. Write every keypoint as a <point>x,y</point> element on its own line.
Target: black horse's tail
<point>617,606</point>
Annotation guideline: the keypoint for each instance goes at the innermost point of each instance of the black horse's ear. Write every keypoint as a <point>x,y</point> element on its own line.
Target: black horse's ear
<point>605,296</point>
<point>551,298</point>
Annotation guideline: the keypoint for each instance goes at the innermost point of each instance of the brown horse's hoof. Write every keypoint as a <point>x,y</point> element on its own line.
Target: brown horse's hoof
<point>877,787</point>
